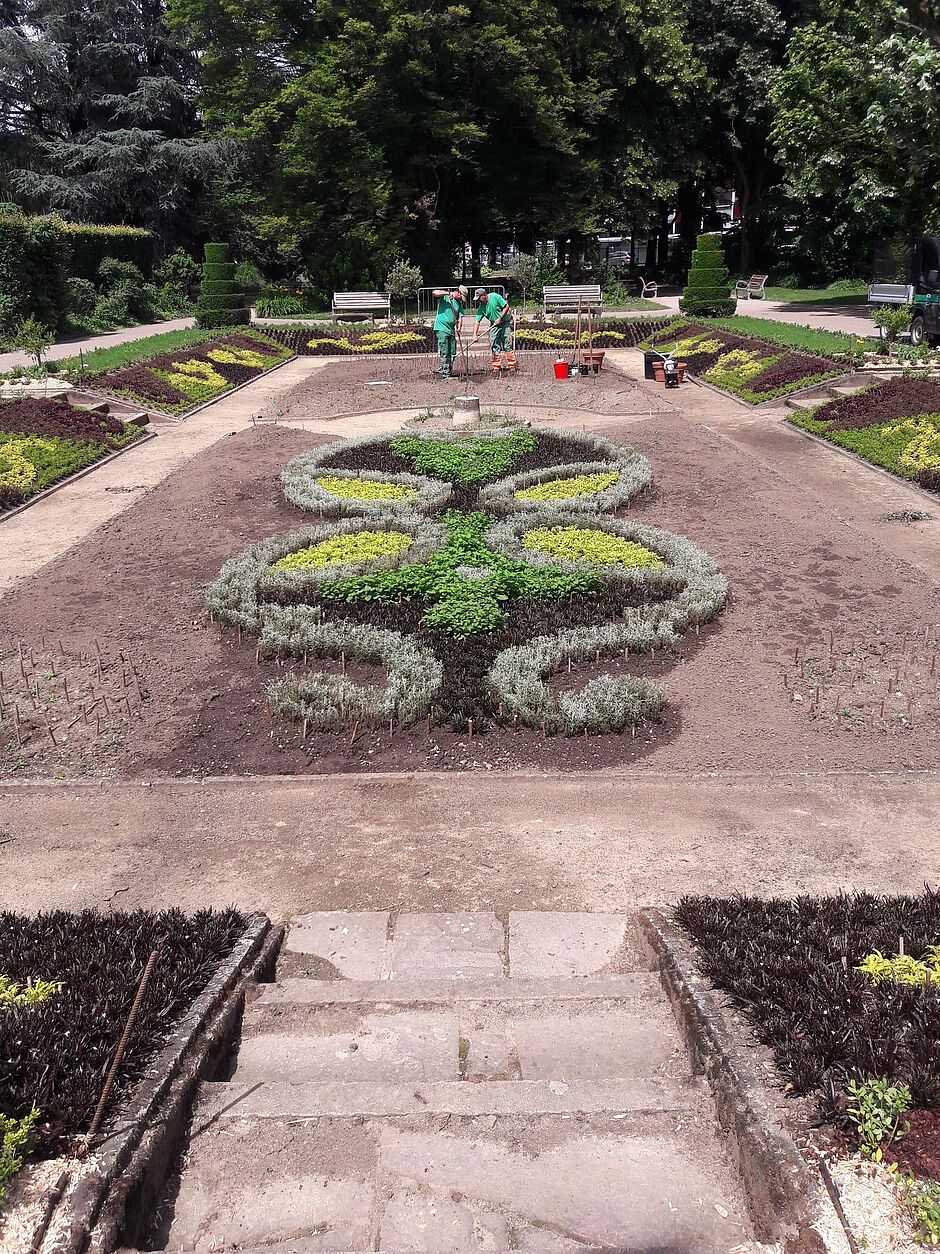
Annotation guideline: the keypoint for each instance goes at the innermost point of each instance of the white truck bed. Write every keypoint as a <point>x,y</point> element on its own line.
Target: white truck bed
<point>891,294</point>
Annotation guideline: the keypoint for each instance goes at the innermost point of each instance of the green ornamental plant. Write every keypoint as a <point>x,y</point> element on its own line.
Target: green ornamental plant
<point>922,1201</point>
<point>891,321</point>
<point>876,1114</point>
<point>708,290</point>
<point>33,338</point>
<point>402,283</point>
<point>220,302</point>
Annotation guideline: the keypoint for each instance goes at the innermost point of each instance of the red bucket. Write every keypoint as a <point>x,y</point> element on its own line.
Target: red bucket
<point>562,370</point>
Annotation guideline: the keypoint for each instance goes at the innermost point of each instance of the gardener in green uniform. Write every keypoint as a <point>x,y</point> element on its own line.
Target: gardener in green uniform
<point>495,309</point>
<point>450,307</point>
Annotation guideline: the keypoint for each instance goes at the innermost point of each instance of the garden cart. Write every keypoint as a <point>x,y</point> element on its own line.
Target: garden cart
<point>922,294</point>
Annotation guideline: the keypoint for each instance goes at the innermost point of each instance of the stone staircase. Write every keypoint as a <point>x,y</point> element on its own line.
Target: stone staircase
<point>825,391</point>
<point>448,1082</point>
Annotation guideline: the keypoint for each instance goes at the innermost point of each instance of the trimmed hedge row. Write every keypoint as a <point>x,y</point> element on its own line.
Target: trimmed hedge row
<point>38,256</point>
<point>708,291</point>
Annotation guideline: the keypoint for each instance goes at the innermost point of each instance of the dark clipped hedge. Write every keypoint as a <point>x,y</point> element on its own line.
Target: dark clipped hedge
<point>93,244</point>
<point>220,303</point>
<point>34,270</point>
<point>39,254</point>
<point>708,291</point>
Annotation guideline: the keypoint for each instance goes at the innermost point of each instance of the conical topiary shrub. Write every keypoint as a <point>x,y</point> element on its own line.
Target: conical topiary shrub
<point>708,292</point>
<point>220,303</point>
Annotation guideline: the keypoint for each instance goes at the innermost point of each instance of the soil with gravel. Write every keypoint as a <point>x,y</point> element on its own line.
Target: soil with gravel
<point>137,587</point>
<point>355,387</point>
<point>918,1151</point>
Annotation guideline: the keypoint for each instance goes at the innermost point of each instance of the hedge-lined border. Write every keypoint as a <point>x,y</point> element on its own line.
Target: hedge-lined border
<point>249,579</point>
<point>331,702</point>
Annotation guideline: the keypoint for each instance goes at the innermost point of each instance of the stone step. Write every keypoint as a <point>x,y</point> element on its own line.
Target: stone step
<point>223,1102</point>
<point>589,1041</point>
<point>374,945</point>
<point>844,389</point>
<point>443,1184</point>
<point>803,402</point>
<point>296,991</point>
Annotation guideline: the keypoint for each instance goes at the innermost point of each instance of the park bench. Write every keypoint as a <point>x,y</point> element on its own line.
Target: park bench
<point>362,304</point>
<point>587,296</point>
<point>648,287</point>
<point>754,286</point>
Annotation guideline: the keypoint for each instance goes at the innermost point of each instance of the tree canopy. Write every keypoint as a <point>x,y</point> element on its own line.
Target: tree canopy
<point>332,136</point>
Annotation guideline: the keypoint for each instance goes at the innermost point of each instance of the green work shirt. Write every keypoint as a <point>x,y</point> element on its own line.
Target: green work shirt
<point>495,304</point>
<point>448,311</point>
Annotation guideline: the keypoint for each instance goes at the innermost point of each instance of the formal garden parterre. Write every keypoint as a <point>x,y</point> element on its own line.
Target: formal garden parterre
<point>420,575</point>
<point>177,381</point>
<point>754,370</point>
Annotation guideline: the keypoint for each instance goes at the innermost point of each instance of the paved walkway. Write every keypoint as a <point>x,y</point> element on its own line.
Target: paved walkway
<point>471,841</point>
<point>440,1082</point>
<point>852,319</point>
<point>106,339</point>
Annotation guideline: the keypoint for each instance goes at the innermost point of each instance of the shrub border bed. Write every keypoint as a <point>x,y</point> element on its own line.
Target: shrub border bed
<point>78,474</point>
<point>113,1202</point>
<point>788,1198</point>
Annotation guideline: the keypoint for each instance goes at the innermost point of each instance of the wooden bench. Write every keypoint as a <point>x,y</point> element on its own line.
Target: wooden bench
<point>754,286</point>
<point>362,304</point>
<point>587,296</point>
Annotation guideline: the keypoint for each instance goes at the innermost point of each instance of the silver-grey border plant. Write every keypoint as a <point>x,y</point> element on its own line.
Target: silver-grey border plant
<point>608,703</point>
<point>330,702</point>
<point>634,475</point>
<point>247,582</point>
<point>299,480</point>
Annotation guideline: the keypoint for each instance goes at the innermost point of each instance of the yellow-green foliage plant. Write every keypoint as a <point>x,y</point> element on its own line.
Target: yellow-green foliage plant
<point>923,451</point>
<point>738,367</point>
<point>902,968</point>
<point>564,489</point>
<point>586,544</point>
<point>312,484</point>
<point>921,1199</point>
<point>356,489</point>
<point>195,379</point>
<point>239,357</point>
<point>31,994</point>
<point>15,1135</point>
<point>374,342</point>
<point>358,546</point>
<point>16,470</point>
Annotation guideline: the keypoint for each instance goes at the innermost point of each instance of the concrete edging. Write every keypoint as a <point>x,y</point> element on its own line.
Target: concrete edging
<point>138,1145</point>
<point>787,1196</point>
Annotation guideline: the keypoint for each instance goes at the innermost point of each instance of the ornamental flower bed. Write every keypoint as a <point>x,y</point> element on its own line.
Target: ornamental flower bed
<point>67,982</point>
<point>354,341</point>
<point>178,381</point>
<point>750,369</point>
<point>471,568</point>
<point>328,341</point>
<point>846,993</point>
<point>44,441</point>
<point>894,424</point>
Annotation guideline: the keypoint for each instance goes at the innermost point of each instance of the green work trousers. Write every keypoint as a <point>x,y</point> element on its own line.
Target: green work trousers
<point>499,336</point>
<point>447,351</point>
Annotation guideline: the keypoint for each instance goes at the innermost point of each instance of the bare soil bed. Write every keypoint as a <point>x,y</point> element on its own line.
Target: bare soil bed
<point>356,387</point>
<point>137,586</point>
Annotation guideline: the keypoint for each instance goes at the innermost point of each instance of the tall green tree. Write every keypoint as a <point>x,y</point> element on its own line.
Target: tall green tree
<point>97,112</point>
<point>857,130</point>
<point>375,126</point>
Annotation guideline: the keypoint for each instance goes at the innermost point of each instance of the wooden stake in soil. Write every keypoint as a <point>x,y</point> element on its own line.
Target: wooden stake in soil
<point>122,1043</point>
